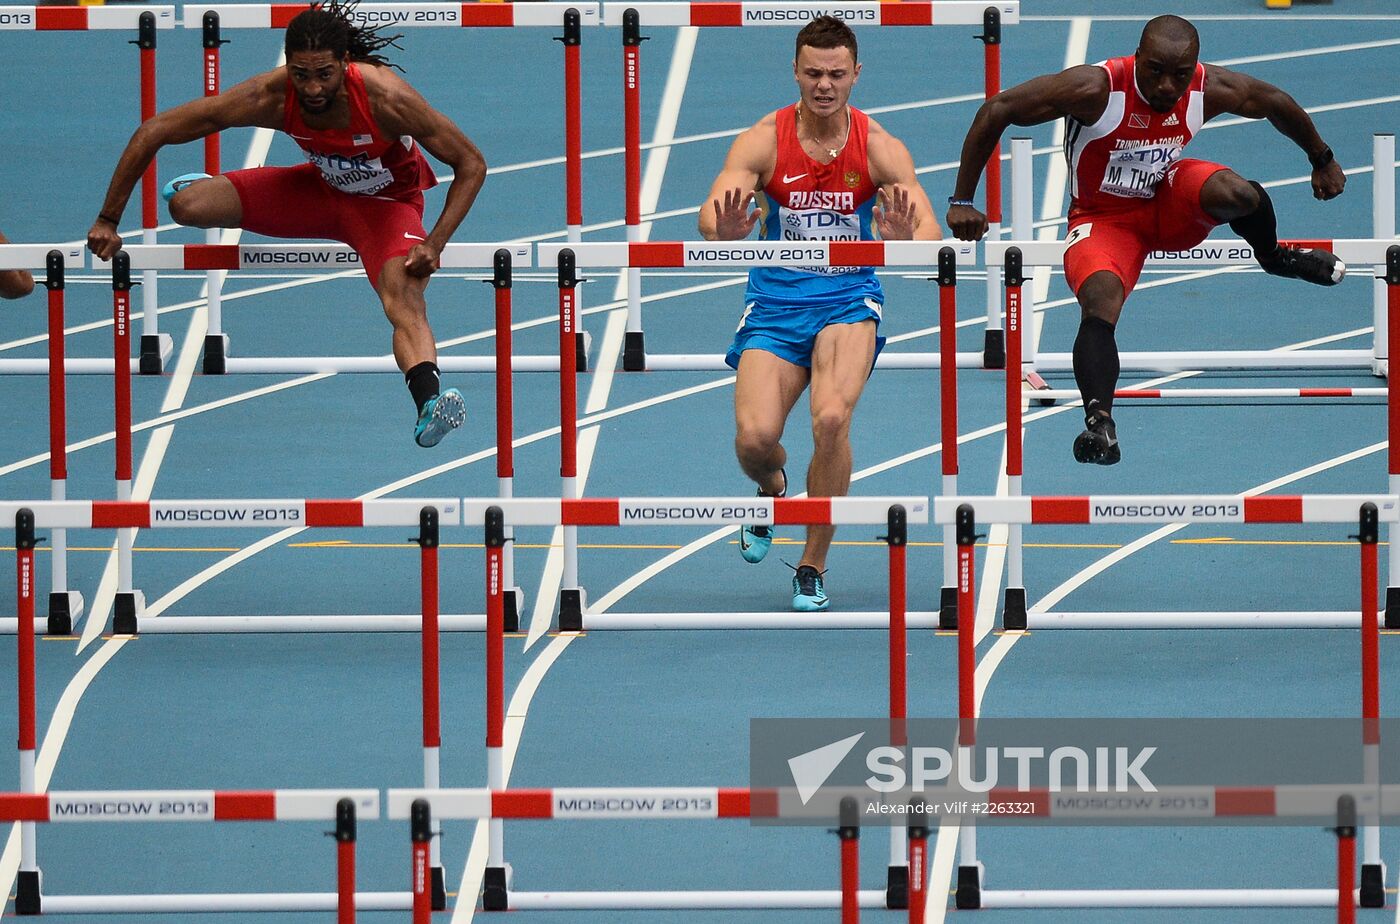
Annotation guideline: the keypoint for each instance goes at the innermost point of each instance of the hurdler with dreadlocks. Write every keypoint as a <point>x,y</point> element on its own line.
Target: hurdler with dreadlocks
<point>362,127</point>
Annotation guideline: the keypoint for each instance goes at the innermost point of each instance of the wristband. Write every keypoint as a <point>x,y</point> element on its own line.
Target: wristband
<point>109,219</point>
<point>954,200</point>
<point>1321,160</point>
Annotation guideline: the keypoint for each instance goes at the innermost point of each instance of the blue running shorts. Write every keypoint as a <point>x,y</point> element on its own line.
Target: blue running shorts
<point>790,331</point>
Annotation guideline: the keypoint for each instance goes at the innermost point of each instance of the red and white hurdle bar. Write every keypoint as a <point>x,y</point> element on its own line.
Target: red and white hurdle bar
<point>211,18</point>
<point>65,606</point>
<point>145,21</point>
<point>1375,359</point>
<point>689,803</point>
<point>785,13</point>
<point>427,515</point>
<point>1367,511</point>
<point>502,260</point>
<point>343,807</point>
<point>894,512</point>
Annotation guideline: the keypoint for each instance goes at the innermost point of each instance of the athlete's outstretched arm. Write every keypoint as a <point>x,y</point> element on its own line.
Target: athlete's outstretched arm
<point>1080,92</point>
<point>15,283</point>
<point>1243,95</point>
<point>903,211</point>
<point>725,214</point>
<point>251,103</point>
<point>402,110</point>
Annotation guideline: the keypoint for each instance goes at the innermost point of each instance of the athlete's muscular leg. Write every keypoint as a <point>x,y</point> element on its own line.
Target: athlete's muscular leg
<point>407,309</point>
<point>841,359</point>
<point>766,389</point>
<point>1227,196</point>
<point>211,203</point>
<point>1096,367</point>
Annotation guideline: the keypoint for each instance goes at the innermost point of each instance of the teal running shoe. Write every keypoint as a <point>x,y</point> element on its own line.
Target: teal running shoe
<point>180,182</point>
<point>440,416</point>
<point>808,592</point>
<point>755,541</point>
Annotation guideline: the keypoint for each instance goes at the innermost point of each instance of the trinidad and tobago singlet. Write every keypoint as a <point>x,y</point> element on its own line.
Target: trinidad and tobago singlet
<point>1124,155</point>
<point>360,160</point>
<point>807,200</point>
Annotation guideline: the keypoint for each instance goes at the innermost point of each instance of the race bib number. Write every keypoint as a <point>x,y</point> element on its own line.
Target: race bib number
<point>358,174</point>
<point>1135,172</point>
<point>820,225</point>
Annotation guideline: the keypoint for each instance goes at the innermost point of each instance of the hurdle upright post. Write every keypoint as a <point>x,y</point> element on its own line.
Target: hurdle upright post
<point>969,886</point>
<point>128,603</point>
<point>948,424</point>
<point>1013,614</point>
<point>421,834</point>
<point>1368,537</point>
<point>994,348</point>
<point>501,281</point>
<point>634,354</point>
<point>27,886</point>
<point>153,347</point>
<point>1392,401</point>
<point>918,861</point>
<point>897,539</point>
<point>345,861</point>
<point>571,600</point>
<point>65,606</point>
<point>849,834</point>
<point>1346,859</point>
<point>495,894</point>
<point>215,340</point>
<point>428,540</point>
<point>1382,228</point>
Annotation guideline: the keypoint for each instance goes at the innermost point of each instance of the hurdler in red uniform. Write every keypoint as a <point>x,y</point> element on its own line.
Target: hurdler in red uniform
<point>1127,123</point>
<point>362,127</point>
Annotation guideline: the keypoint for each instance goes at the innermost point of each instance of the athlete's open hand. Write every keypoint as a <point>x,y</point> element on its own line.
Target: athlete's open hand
<point>895,217</point>
<point>966,222</point>
<point>1328,182</point>
<point>103,239</point>
<point>422,261</point>
<point>733,220</point>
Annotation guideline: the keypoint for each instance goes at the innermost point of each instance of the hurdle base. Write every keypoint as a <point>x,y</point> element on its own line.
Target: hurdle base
<point>513,603</point>
<point>1392,607</point>
<point>1037,383</point>
<point>215,352</point>
<point>1372,893</point>
<point>634,351</point>
<point>994,349</point>
<point>1013,609</point>
<point>672,900</point>
<point>897,888</point>
<point>583,342</point>
<point>495,889</point>
<point>1209,620</point>
<point>439,889</point>
<point>571,605</point>
<point>29,892</point>
<point>969,893</point>
<point>155,350</point>
<point>948,609</point>
<point>125,610</point>
<point>65,609</point>
<point>779,619</point>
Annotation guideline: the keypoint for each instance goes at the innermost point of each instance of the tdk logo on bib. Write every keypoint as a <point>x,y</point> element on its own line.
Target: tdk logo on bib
<point>820,225</point>
<point>359,173</point>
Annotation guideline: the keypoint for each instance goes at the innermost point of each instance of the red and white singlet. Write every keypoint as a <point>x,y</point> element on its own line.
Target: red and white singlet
<point>360,160</point>
<point>1126,153</point>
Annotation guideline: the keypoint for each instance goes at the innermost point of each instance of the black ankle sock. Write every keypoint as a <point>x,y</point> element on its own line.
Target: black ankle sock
<point>423,383</point>
<point>1096,362</point>
<point>1260,227</point>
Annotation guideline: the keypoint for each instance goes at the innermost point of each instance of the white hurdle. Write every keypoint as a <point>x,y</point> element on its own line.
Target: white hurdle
<point>344,807</point>
<point>1368,511</point>
<point>633,17</point>
<point>65,606</point>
